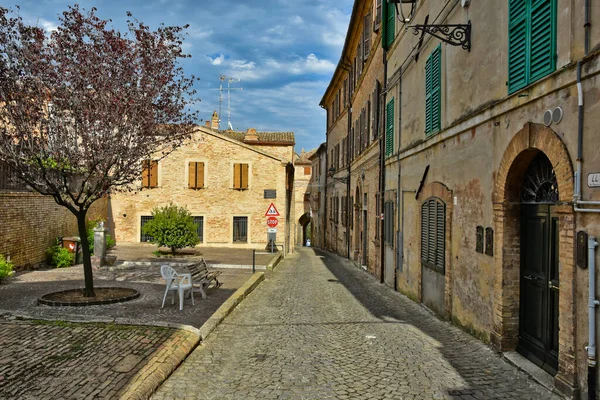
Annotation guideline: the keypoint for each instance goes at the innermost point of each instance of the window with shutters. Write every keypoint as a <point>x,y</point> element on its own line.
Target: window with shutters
<point>377,23</point>
<point>389,25</point>
<point>240,229</point>
<point>388,222</point>
<point>531,41</point>
<point>240,176</point>
<point>149,174</point>
<point>433,234</point>
<point>389,129</point>
<point>199,221</point>
<point>367,36</point>
<point>195,175</point>
<point>433,92</point>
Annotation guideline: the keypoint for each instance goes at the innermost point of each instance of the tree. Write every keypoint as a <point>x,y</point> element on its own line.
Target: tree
<point>82,107</point>
<point>172,227</point>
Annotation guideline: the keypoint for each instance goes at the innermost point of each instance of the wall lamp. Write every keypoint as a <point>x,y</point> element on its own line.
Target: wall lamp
<point>331,172</point>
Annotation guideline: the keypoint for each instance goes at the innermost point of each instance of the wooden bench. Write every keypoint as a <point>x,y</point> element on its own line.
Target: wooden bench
<point>202,276</point>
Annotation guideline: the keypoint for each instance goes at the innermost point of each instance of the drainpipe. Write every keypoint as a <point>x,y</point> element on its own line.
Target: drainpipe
<point>348,205</point>
<point>593,303</point>
<point>398,190</point>
<point>577,195</point>
<point>382,166</point>
<point>586,27</point>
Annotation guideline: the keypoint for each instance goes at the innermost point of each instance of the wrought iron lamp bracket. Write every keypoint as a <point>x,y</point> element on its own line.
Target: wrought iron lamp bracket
<point>455,34</point>
<point>343,180</point>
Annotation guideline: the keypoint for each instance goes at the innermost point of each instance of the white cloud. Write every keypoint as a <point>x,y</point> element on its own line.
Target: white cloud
<point>336,26</point>
<point>249,70</point>
<point>218,60</point>
<point>296,20</point>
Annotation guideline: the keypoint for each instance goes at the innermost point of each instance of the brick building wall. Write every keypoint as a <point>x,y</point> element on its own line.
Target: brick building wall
<point>30,222</point>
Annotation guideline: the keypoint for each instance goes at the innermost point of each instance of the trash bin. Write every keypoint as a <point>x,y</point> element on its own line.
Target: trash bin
<point>73,244</point>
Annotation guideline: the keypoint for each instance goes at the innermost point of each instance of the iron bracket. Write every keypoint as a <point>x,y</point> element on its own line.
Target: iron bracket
<point>455,35</point>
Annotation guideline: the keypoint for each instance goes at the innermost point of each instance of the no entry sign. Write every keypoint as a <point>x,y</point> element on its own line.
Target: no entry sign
<point>272,222</point>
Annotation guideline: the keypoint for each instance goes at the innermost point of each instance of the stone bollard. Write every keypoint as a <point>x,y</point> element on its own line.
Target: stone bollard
<point>99,258</point>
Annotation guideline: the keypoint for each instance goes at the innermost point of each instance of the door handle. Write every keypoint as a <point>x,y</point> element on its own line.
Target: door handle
<point>551,285</point>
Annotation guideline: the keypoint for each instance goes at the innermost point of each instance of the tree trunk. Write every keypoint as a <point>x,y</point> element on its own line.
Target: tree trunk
<point>87,261</point>
<point>173,250</point>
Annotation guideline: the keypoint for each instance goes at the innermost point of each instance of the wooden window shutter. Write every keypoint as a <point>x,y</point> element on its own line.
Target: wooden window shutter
<point>199,175</point>
<point>153,174</point>
<point>237,173</point>
<point>543,39</point>
<point>377,23</point>
<point>389,130</point>
<point>146,173</point>
<point>192,175</point>
<point>367,35</point>
<point>368,122</point>
<point>244,174</point>
<point>389,26</point>
<point>440,244</point>
<point>433,91</point>
<point>518,11</point>
<point>424,231</point>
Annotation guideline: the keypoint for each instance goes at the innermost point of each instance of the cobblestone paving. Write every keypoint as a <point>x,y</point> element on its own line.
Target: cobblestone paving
<point>318,328</point>
<point>57,360</point>
<point>20,294</point>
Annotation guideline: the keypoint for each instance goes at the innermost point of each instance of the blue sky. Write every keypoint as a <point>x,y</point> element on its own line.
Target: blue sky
<point>284,53</point>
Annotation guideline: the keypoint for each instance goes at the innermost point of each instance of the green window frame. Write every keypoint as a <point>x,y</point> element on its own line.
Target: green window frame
<point>433,92</point>
<point>531,41</point>
<point>389,128</point>
<point>389,25</point>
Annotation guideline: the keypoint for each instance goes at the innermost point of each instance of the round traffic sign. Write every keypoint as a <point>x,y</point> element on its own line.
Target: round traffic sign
<point>272,222</point>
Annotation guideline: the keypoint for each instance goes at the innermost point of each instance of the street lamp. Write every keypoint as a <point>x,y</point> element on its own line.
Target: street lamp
<point>331,171</point>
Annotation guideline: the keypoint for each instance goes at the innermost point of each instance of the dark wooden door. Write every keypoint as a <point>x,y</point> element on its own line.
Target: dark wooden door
<point>538,328</point>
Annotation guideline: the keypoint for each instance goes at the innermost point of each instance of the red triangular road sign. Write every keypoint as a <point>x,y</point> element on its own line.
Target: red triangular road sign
<point>272,211</point>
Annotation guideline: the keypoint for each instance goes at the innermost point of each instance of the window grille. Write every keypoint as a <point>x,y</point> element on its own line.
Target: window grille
<point>240,229</point>
<point>199,221</point>
<point>145,238</point>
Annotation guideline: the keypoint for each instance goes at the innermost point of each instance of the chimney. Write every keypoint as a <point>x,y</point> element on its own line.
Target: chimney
<point>250,135</point>
<point>207,124</point>
<point>214,121</point>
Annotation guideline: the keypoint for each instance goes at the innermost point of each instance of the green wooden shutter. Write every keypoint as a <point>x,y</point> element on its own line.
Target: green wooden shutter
<point>424,231</point>
<point>389,129</point>
<point>440,245</point>
<point>543,39</point>
<point>433,91</point>
<point>389,25</point>
<point>531,41</point>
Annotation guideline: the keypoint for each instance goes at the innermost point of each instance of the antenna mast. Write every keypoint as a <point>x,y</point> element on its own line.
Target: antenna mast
<point>229,80</point>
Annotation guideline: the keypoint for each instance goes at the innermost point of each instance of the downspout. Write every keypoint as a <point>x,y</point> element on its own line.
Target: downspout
<point>593,303</point>
<point>586,27</point>
<point>382,111</point>
<point>348,205</point>
<point>399,244</point>
<point>326,165</point>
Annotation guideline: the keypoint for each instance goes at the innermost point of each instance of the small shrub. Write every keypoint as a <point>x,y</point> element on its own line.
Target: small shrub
<point>172,227</point>
<point>6,267</point>
<point>59,256</point>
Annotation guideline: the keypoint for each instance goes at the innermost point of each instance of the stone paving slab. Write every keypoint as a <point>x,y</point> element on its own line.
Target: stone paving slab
<point>60,360</point>
<point>319,328</point>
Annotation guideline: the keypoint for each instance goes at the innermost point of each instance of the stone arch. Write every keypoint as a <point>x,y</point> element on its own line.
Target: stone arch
<point>442,192</point>
<point>519,153</point>
<point>524,146</point>
<point>304,221</point>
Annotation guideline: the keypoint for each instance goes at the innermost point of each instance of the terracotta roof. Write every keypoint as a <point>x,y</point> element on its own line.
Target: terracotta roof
<point>284,138</point>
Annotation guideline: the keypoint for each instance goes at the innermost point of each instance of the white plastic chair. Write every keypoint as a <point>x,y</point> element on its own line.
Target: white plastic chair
<point>176,282</point>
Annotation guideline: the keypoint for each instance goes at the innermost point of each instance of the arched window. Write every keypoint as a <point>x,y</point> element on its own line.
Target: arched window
<point>433,234</point>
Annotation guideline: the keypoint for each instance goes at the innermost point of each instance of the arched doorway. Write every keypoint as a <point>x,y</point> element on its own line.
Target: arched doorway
<point>304,222</point>
<point>539,279</point>
<point>533,189</point>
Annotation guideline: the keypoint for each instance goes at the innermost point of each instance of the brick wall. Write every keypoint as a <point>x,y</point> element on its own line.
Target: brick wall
<point>29,222</point>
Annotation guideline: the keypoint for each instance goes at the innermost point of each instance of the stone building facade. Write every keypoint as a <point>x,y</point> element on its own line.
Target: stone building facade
<point>226,179</point>
<point>490,164</point>
<point>303,177</point>
<point>353,104</point>
<point>317,195</point>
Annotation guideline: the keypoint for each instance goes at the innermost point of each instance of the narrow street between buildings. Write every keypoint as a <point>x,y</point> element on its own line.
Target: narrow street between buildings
<point>319,328</point>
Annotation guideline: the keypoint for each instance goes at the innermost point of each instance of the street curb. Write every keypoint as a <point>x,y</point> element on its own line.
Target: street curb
<point>227,307</point>
<point>274,262</point>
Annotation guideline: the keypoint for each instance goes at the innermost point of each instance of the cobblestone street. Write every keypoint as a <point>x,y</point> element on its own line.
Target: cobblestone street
<point>318,328</point>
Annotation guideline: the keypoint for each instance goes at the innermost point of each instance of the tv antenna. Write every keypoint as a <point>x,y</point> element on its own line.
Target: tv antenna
<point>230,80</point>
